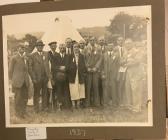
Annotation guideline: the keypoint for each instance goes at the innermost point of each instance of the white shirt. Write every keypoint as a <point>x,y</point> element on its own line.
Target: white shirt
<point>68,49</point>
<point>110,52</point>
<point>120,49</point>
<point>122,68</point>
<point>77,58</point>
<point>23,57</point>
<point>40,53</point>
<point>62,55</point>
<point>52,52</point>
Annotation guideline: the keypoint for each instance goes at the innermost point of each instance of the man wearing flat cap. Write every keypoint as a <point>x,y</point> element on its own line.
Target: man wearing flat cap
<point>40,74</point>
<point>18,74</point>
<point>52,56</point>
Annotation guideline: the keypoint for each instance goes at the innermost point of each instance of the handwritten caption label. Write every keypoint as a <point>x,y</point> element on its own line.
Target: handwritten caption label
<point>36,133</point>
<point>77,132</point>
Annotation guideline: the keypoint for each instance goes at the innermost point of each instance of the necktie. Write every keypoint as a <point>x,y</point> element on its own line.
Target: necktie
<point>121,51</point>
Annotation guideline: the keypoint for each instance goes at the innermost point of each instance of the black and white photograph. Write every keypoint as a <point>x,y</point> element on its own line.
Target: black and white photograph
<point>88,67</point>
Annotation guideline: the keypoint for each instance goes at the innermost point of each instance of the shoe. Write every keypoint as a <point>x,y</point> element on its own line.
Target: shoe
<point>45,110</point>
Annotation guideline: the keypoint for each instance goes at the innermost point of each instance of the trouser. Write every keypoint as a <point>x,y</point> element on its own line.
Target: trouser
<point>51,97</point>
<point>40,87</point>
<point>21,99</point>
<point>110,93</point>
<point>63,94</point>
<point>101,91</point>
<point>121,87</point>
<point>92,94</point>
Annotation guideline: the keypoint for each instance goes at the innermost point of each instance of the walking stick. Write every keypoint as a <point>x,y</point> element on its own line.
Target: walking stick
<point>51,99</point>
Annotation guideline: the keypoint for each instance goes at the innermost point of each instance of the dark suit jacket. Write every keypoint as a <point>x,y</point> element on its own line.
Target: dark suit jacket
<point>72,69</point>
<point>111,65</point>
<point>58,61</point>
<point>18,71</point>
<point>39,67</point>
<point>93,58</point>
<point>52,59</point>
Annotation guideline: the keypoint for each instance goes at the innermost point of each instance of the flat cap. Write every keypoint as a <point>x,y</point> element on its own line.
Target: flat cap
<point>53,42</point>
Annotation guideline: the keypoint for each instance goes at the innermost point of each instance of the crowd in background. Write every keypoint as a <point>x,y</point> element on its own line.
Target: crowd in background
<point>87,74</point>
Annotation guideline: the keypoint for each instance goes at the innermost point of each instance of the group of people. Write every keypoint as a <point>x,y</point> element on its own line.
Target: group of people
<point>83,74</point>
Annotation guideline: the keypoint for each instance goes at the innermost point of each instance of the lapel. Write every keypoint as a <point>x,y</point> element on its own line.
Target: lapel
<point>80,61</point>
<point>80,58</point>
<point>106,56</point>
<point>74,65</point>
<point>38,57</point>
<point>62,58</point>
<point>22,61</point>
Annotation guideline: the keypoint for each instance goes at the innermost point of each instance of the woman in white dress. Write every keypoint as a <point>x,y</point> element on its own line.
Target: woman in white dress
<point>76,76</point>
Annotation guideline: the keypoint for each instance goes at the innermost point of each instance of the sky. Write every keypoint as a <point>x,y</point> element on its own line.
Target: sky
<point>41,22</point>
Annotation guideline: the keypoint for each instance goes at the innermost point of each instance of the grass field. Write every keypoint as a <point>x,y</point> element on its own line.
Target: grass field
<point>87,115</point>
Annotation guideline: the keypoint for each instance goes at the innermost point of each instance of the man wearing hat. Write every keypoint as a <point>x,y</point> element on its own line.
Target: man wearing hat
<point>40,74</point>
<point>61,79</point>
<point>52,56</point>
<point>18,74</point>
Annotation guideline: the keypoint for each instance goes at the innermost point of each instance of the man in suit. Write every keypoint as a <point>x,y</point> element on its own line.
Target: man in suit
<point>87,39</point>
<point>18,74</point>
<point>109,72</point>
<point>102,44</point>
<point>82,45</point>
<point>121,69</point>
<point>52,90</point>
<point>93,64</point>
<point>40,74</point>
<point>62,85</point>
<point>103,49</point>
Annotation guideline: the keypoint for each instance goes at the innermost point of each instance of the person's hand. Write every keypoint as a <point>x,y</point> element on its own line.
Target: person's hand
<point>62,68</point>
<point>49,90</point>
<point>94,69</point>
<point>89,69</point>
<point>103,77</point>
<point>52,82</point>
